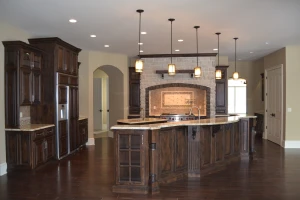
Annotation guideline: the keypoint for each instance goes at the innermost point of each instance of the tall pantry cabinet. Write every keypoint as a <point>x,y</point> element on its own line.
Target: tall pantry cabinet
<point>62,70</point>
<point>22,65</point>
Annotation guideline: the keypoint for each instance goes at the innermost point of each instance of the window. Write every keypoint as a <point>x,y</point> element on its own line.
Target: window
<point>237,97</point>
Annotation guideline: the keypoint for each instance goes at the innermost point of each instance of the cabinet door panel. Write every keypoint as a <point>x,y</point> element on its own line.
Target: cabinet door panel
<point>11,148</point>
<point>67,61</point>
<point>26,58</point>
<point>73,134</point>
<point>205,146</point>
<point>49,145</point>
<point>220,94</point>
<point>63,138</point>
<point>60,59</point>
<point>181,149</point>
<point>75,64</point>
<point>36,85</point>
<point>11,101</point>
<point>25,153</point>
<point>37,61</point>
<point>62,95</point>
<point>39,152</point>
<point>25,86</point>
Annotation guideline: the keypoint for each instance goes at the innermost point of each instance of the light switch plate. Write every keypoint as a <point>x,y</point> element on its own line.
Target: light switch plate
<point>289,109</point>
<point>21,114</point>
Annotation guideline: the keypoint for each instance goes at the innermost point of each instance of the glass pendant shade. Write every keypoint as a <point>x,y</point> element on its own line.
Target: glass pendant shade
<point>139,65</point>
<point>197,72</point>
<point>171,69</point>
<point>235,76</point>
<point>218,74</point>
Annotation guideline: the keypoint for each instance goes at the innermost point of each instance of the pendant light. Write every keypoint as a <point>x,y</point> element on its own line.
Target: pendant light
<point>171,66</point>
<point>235,75</point>
<point>139,64</point>
<point>218,71</point>
<point>197,69</point>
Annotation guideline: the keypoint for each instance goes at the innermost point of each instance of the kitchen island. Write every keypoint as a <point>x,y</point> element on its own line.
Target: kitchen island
<point>148,155</point>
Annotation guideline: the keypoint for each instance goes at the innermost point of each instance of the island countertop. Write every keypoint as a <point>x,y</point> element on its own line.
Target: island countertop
<point>202,122</point>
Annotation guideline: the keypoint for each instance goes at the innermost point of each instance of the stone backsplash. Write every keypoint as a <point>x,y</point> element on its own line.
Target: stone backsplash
<point>25,119</point>
<point>176,100</point>
<point>150,78</point>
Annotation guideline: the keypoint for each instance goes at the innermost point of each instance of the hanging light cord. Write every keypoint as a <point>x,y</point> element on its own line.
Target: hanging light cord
<point>171,40</point>
<point>218,49</point>
<point>235,54</point>
<point>197,44</point>
<point>140,35</point>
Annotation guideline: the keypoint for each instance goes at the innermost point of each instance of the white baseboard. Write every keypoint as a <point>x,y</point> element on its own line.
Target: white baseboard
<point>3,169</point>
<point>292,144</point>
<point>91,141</point>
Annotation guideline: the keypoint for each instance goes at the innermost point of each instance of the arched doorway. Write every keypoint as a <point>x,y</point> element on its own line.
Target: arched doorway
<point>108,98</point>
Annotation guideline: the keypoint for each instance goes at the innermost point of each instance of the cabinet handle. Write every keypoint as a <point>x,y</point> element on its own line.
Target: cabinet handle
<point>45,145</point>
<point>32,98</point>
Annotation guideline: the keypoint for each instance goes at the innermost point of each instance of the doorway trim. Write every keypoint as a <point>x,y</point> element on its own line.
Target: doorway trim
<point>265,135</point>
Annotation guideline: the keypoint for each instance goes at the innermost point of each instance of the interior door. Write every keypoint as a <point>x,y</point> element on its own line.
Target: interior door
<point>98,104</point>
<point>274,105</point>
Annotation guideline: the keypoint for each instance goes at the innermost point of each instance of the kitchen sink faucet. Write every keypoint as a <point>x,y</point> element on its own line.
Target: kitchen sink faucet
<point>198,110</point>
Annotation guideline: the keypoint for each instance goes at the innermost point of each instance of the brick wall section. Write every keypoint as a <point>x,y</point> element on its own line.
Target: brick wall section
<point>150,78</point>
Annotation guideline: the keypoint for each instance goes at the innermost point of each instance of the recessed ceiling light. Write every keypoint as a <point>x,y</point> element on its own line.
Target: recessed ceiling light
<point>72,20</point>
<point>251,52</point>
<point>143,33</point>
<point>177,50</point>
<point>106,45</point>
<point>215,49</point>
<point>141,51</point>
<point>180,40</point>
<point>267,42</point>
<point>140,43</point>
<point>93,35</point>
<point>239,59</point>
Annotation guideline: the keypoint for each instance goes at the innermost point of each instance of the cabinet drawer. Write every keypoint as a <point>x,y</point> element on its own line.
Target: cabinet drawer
<point>63,79</point>
<point>39,134</point>
<point>73,80</point>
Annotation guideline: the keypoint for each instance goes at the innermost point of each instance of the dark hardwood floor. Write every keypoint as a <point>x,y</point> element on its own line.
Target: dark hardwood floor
<point>88,174</point>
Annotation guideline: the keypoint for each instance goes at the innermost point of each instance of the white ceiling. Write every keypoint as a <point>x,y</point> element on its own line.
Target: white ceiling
<point>115,22</point>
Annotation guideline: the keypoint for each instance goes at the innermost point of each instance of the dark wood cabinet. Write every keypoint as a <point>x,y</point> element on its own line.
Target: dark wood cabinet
<point>222,91</point>
<point>82,131</point>
<point>23,65</point>
<point>134,91</point>
<point>29,149</point>
<point>63,137</point>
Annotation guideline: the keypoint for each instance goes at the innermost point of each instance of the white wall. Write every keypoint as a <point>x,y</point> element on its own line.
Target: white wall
<point>7,33</point>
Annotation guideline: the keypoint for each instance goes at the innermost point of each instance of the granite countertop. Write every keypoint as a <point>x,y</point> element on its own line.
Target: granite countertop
<point>82,118</point>
<point>30,127</point>
<point>203,122</point>
<point>141,121</point>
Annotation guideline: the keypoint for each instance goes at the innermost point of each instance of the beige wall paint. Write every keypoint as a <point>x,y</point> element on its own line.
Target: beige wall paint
<point>258,68</point>
<point>292,92</point>
<point>90,62</point>
<point>7,33</point>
